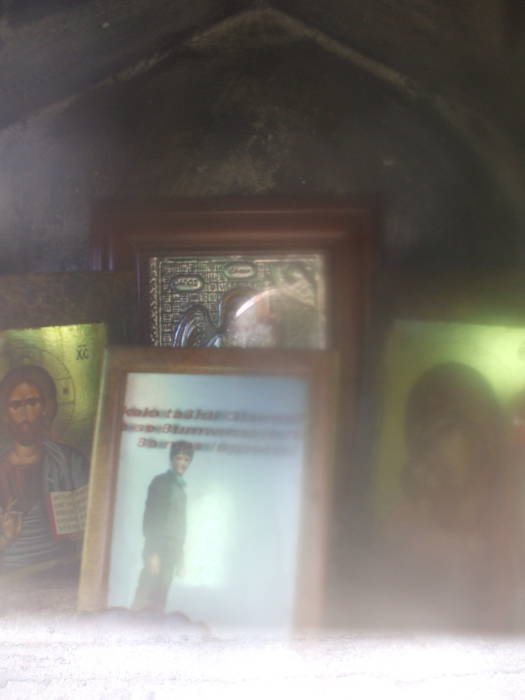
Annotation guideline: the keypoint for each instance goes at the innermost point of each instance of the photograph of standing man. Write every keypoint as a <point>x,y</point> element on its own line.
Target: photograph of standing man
<point>164,527</point>
<point>32,466</point>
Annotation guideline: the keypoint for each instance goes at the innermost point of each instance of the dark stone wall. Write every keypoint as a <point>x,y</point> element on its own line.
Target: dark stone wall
<point>251,107</point>
<point>51,50</point>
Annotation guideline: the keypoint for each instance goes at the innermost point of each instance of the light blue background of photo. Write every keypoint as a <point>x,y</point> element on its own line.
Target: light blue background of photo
<point>243,510</point>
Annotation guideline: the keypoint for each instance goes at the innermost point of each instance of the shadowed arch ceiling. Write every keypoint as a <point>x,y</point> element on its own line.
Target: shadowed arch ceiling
<point>463,62</point>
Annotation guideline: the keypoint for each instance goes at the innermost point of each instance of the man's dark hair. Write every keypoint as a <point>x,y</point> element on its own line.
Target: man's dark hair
<point>181,446</point>
<point>32,374</point>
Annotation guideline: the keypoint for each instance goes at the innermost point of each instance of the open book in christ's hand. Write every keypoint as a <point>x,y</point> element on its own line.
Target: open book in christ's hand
<point>67,510</point>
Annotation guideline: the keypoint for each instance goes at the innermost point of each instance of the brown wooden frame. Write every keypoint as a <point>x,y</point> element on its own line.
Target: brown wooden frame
<point>346,231</point>
<point>318,368</point>
<point>125,234</point>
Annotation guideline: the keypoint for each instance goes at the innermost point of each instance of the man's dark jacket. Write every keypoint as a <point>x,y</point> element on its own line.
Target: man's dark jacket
<point>164,521</point>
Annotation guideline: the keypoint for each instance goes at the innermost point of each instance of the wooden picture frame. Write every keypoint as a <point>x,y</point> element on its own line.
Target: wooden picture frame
<point>344,232</point>
<point>262,469</point>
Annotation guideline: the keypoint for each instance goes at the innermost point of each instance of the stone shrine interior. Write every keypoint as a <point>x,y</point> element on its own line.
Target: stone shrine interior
<point>415,106</point>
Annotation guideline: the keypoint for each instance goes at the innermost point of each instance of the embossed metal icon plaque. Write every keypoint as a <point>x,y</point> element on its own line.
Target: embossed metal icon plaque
<point>255,300</point>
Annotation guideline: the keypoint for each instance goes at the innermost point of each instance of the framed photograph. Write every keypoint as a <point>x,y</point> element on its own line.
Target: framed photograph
<point>244,273</point>
<point>211,486</point>
<point>49,381</point>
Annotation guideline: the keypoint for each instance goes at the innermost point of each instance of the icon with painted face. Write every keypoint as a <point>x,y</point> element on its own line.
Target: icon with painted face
<point>32,466</point>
